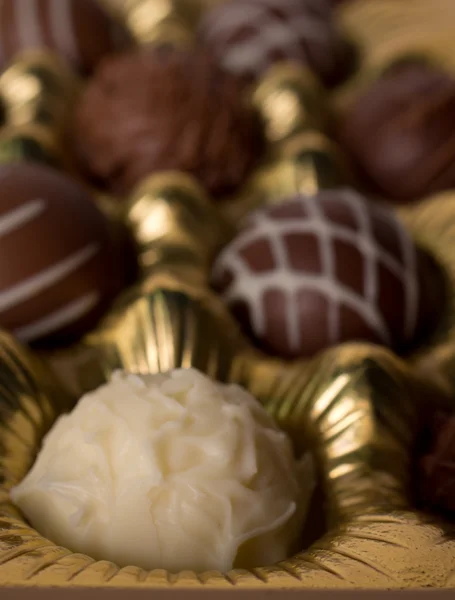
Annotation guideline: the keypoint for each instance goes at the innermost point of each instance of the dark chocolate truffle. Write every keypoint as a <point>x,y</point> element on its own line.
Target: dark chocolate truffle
<point>401,132</point>
<point>319,270</point>
<point>248,36</point>
<point>152,110</point>
<point>80,31</point>
<point>59,267</point>
<point>437,467</point>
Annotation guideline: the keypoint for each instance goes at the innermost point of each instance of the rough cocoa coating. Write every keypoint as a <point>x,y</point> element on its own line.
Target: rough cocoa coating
<point>156,110</point>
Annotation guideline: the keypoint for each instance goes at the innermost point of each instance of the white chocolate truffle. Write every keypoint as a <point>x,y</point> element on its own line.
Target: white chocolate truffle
<point>169,471</point>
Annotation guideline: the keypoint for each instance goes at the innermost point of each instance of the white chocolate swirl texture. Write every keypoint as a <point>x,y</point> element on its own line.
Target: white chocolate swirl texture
<point>169,471</point>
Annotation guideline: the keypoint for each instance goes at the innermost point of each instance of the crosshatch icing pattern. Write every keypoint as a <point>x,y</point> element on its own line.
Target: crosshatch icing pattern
<point>296,248</point>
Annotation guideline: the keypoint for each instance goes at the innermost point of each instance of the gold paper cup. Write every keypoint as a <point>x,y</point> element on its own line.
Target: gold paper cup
<point>290,100</point>
<point>157,21</point>
<point>432,222</point>
<point>31,143</point>
<point>306,163</point>
<point>38,87</point>
<point>358,408</point>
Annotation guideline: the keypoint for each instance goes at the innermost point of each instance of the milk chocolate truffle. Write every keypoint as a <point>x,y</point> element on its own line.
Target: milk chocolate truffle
<point>437,467</point>
<point>154,110</point>
<point>248,36</point>
<point>59,268</point>
<point>401,132</point>
<point>319,270</point>
<point>80,31</point>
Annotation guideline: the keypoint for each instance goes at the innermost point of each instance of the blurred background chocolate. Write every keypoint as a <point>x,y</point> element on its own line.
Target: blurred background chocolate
<point>59,266</point>
<point>436,469</point>
<point>319,270</point>
<point>80,31</point>
<point>248,36</point>
<point>401,132</point>
<point>152,110</point>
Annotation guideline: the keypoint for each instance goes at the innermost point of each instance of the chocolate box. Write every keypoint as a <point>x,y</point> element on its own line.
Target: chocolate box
<point>357,406</point>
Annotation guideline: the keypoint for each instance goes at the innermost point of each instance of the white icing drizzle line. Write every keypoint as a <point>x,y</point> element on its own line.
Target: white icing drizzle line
<point>328,265</point>
<point>58,319</point>
<point>250,286</point>
<point>369,254</point>
<point>17,218</point>
<point>41,281</point>
<point>281,260</point>
<point>61,21</point>
<point>28,24</point>
<point>271,34</point>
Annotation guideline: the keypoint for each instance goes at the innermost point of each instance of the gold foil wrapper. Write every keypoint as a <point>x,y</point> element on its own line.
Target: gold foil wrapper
<point>158,21</point>
<point>30,143</point>
<point>290,100</point>
<point>432,222</point>
<point>358,408</point>
<point>307,163</point>
<point>38,88</point>
<point>175,226</point>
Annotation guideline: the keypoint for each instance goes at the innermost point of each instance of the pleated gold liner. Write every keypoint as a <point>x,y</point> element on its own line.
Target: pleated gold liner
<point>358,407</point>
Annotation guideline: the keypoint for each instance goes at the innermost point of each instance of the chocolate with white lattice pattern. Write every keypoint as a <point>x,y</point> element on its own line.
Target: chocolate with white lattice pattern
<point>317,271</point>
<point>79,31</point>
<point>248,36</point>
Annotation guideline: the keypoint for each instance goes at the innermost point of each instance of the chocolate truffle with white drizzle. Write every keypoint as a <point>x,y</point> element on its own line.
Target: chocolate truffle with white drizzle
<point>319,270</point>
<point>59,267</point>
<point>80,31</point>
<point>248,36</point>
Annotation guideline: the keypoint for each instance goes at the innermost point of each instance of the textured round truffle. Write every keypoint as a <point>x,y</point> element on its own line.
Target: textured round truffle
<point>78,30</point>
<point>400,132</point>
<point>437,467</point>
<point>173,471</point>
<point>59,268</point>
<point>248,36</point>
<point>320,270</point>
<point>152,110</point>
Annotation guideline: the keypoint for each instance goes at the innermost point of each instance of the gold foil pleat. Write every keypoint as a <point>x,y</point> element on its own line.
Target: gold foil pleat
<point>31,143</point>
<point>38,87</point>
<point>290,100</point>
<point>432,222</point>
<point>307,163</point>
<point>157,21</point>
<point>174,224</point>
